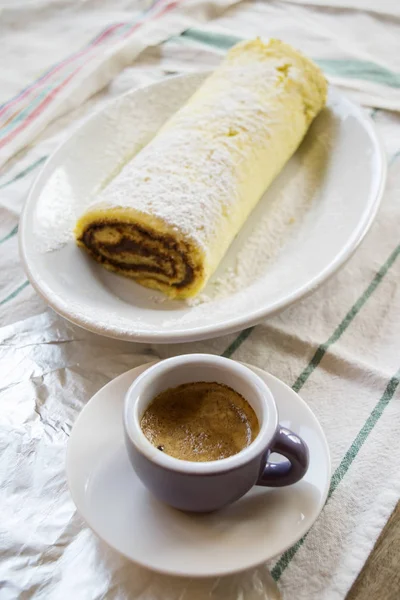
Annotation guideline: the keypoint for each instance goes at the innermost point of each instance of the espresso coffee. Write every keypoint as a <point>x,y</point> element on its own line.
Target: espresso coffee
<point>200,421</point>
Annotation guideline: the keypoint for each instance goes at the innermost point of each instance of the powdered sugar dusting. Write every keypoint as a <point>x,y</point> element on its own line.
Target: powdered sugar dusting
<point>201,175</point>
<point>56,214</point>
<point>281,215</point>
<point>188,175</point>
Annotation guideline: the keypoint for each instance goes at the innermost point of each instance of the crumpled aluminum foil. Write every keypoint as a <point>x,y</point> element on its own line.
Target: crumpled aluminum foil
<point>49,370</point>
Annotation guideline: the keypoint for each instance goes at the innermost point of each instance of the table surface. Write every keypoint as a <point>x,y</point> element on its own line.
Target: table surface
<point>380,577</point>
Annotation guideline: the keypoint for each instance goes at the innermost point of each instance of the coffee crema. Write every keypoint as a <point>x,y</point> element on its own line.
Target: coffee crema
<point>200,421</point>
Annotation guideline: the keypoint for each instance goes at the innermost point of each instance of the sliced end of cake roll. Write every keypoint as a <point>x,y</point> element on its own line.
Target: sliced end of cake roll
<point>142,247</point>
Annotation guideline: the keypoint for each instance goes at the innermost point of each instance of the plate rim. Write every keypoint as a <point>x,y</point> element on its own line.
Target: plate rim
<point>225,572</point>
<point>238,322</point>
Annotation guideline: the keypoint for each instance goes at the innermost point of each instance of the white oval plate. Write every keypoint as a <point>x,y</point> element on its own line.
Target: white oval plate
<point>116,505</point>
<point>304,228</point>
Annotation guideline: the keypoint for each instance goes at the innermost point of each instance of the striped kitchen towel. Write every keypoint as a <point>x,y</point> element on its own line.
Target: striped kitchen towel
<point>347,45</point>
<point>358,50</point>
<point>66,84</point>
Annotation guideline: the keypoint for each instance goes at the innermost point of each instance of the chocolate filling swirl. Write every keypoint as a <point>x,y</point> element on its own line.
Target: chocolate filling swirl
<point>139,252</point>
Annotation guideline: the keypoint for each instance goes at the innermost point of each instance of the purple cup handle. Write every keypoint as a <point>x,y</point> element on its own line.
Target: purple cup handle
<point>292,447</point>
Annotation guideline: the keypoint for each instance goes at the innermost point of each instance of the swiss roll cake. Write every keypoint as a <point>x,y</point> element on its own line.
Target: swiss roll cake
<point>167,219</point>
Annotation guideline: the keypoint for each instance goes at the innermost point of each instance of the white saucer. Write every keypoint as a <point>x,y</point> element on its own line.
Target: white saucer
<point>305,227</point>
<point>116,505</point>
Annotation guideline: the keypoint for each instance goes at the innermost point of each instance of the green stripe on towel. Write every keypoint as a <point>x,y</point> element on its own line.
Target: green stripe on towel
<point>360,69</point>
<point>344,465</point>
<point>237,342</point>
<point>9,235</point>
<point>341,328</point>
<point>23,173</point>
<point>347,68</point>
<point>222,41</point>
<point>14,293</point>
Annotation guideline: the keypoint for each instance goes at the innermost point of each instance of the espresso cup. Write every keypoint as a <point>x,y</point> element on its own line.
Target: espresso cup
<point>208,486</point>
